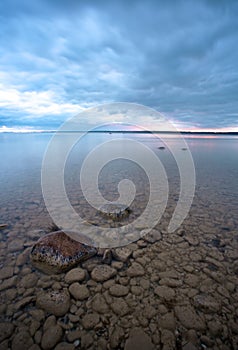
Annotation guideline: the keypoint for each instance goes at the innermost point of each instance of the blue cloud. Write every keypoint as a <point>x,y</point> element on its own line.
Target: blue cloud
<point>178,57</point>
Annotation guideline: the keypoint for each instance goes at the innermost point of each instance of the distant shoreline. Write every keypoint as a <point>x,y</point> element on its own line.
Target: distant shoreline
<point>124,132</point>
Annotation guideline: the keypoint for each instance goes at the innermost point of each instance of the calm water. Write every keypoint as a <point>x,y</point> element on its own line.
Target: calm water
<point>215,160</point>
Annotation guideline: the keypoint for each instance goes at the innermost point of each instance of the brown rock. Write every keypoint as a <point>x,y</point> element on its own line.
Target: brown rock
<point>6,272</point>
<point>152,236</point>
<point>135,270</point>
<point>79,292</point>
<point>189,318</point>
<point>89,321</point>
<point>51,337</point>
<point>64,346</point>
<point>99,304</point>
<point>56,252</point>
<point>102,273</point>
<point>21,341</point>
<point>29,280</point>
<point>122,254</point>
<point>207,303</point>
<point>6,329</point>
<point>138,340</point>
<point>165,293</point>
<point>118,290</point>
<point>120,307</point>
<point>55,302</point>
<point>116,337</point>
<point>75,275</point>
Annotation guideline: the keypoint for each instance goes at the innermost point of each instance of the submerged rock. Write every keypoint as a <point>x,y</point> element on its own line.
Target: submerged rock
<point>114,211</point>
<point>56,252</point>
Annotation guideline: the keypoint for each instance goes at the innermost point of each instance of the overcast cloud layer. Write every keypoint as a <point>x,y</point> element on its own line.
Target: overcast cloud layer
<point>179,57</point>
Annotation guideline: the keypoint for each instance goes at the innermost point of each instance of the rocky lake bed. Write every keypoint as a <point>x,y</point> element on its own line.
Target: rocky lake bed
<point>165,291</point>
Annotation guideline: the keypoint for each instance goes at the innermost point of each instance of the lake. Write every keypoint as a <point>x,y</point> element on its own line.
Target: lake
<point>191,271</point>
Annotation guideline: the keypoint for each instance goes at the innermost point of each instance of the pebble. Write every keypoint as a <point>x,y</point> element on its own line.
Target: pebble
<point>118,290</point>
<point>89,321</point>
<point>120,307</point>
<point>189,318</point>
<point>138,340</point>
<point>122,254</point>
<point>22,341</point>
<point>6,272</point>
<point>64,346</point>
<point>165,293</point>
<point>55,302</point>
<point>6,329</point>
<point>75,275</point>
<point>99,304</point>
<point>79,292</point>
<point>51,337</point>
<point>102,273</point>
<point>151,236</point>
<point>135,270</point>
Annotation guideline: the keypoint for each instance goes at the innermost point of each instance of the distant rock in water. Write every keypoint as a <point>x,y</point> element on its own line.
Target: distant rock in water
<point>56,252</point>
<point>114,211</point>
<point>161,147</point>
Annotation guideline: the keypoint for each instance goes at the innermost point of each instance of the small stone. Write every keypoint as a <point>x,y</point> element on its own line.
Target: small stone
<point>99,304</point>
<point>135,270</point>
<point>120,307</point>
<point>21,341</point>
<point>75,275</point>
<point>64,346</point>
<point>73,335</point>
<point>51,337</point>
<point>151,236</point>
<point>55,302</point>
<point>116,337</point>
<point>23,302</point>
<point>122,254</point>
<point>118,290</point>
<point>165,293</point>
<point>102,273</point>
<point>8,283</point>
<point>15,245</point>
<point>167,339</point>
<point>86,340</point>
<point>6,329</point>
<point>189,318</point>
<point>89,321</point>
<point>29,280</point>
<point>138,340</point>
<point>206,302</point>
<point>167,321</point>
<point>79,292</point>
<point>6,272</point>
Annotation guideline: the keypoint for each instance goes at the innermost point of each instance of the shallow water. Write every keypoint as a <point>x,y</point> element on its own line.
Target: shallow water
<point>212,223</point>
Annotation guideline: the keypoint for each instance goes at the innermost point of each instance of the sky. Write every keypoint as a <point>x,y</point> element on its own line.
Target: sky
<point>58,58</point>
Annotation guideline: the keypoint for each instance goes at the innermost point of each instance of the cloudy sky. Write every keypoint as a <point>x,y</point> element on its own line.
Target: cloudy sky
<point>59,57</point>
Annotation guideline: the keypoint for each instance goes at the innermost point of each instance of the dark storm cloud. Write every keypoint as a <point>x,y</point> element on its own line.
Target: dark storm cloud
<point>179,57</point>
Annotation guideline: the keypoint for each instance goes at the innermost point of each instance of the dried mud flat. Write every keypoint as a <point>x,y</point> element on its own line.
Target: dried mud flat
<point>176,291</point>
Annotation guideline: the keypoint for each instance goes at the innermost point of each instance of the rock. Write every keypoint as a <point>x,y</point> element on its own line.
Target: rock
<point>74,335</point>
<point>207,303</point>
<point>8,283</point>
<point>75,275</point>
<point>64,346</point>
<point>79,292</point>
<point>138,340</point>
<point>168,340</point>
<point>165,293</point>
<point>107,257</point>
<point>149,312</point>
<point>193,241</point>
<point>86,340</point>
<point>114,211</point>
<point>99,304</point>
<point>16,244</point>
<point>56,252</point>
<point>51,337</point>
<point>135,270</point>
<point>54,302</point>
<point>122,254</point>
<point>23,257</point>
<point>21,341</point>
<point>6,272</point>
<point>120,307</point>
<point>167,321</point>
<point>116,337</point>
<point>23,302</point>
<point>29,280</point>
<point>102,273</point>
<point>3,226</point>
<point>189,318</point>
<point>89,321</point>
<point>6,329</point>
<point>151,236</point>
<point>118,290</point>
